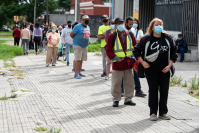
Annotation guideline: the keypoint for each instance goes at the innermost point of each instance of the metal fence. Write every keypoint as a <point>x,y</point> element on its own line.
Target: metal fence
<point>190,21</point>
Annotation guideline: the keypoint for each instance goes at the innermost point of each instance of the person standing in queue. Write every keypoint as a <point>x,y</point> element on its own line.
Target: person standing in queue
<point>16,34</point>
<point>37,37</point>
<point>156,52</point>
<point>81,37</point>
<point>101,33</point>
<point>119,49</point>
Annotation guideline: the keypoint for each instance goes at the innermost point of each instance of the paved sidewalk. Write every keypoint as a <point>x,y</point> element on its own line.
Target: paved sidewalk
<point>56,99</point>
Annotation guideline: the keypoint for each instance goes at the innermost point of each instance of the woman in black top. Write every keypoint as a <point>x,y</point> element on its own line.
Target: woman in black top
<point>156,52</point>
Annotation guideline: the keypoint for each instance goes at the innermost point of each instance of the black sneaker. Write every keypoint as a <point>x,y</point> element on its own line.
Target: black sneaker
<point>140,94</point>
<point>24,53</point>
<point>68,64</point>
<point>103,75</point>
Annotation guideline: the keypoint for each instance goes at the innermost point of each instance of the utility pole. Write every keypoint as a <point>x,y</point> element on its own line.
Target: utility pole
<point>47,14</point>
<point>35,12</point>
<point>77,11</point>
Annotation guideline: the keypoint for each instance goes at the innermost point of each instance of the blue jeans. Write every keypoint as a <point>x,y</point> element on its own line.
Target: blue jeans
<point>137,83</point>
<point>67,50</point>
<point>182,51</point>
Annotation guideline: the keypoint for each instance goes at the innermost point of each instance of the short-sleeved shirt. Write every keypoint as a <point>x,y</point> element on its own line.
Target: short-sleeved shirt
<point>102,30</point>
<point>140,33</point>
<point>53,37</point>
<point>82,35</point>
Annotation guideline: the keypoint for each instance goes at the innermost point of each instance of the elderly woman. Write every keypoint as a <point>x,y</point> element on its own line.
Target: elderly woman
<point>52,50</point>
<point>156,52</point>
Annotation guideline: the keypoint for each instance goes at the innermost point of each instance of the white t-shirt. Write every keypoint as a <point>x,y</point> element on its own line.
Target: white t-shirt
<point>140,33</point>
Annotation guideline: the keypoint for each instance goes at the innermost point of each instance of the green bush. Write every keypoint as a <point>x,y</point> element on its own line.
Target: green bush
<point>94,46</point>
<point>8,51</point>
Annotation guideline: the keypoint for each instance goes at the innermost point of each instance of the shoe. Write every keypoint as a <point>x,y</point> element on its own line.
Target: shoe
<point>140,94</point>
<point>122,95</point>
<point>131,103</point>
<point>165,117</point>
<point>82,69</point>
<point>106,78</point>
<point>53,65</point>
<point>26,53</point>
<point>153,117</point>
<point>67,63</point>
<point>115,103</point>
<point>82,75</point>
<point>73,70</point>
<point>47,65</point>
<point>103,75</point>
<point>77,76</point>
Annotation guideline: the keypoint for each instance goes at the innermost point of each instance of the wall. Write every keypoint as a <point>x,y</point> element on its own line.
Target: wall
<point>136,9</point>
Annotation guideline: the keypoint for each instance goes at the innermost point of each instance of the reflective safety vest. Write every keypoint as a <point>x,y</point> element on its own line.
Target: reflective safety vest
<point>118,49</point>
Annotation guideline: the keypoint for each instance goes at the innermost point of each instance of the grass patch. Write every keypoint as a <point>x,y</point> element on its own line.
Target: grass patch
<point>41,129</point>
<point>8,51</point>
<point>98,54</point>
<point>94,46</point>
<point>6,64</point>
<point>55,130</point>
<point>13,90</point>
<point>38,123</point>
<point>194,87</point>
<point>13,96</point>
<point>5,33</point>
<point>6,37</point>
<point>4,98</point>
<point>185,84</point>
<point>25,90</point>
<point>175,81</point>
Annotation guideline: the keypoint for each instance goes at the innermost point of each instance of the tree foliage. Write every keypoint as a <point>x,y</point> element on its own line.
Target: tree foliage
<point>65,4</point>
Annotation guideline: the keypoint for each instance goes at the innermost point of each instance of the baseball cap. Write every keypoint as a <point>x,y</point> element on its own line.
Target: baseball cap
<point>180,35</point>
<point>118,20</point>
<point>69,22</point>
<point>105,16</point>
<point>85,17</point>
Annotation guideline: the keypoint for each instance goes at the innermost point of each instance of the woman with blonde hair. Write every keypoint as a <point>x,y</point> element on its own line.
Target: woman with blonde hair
<point>157,53</point>
<point>53,39</point>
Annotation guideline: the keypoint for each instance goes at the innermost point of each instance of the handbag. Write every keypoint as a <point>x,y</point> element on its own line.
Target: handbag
<point>172,70</point>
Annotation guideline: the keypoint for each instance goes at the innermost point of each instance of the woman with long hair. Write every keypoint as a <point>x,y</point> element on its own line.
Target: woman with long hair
<point>31,45</point>
<point>157,53</point>
<point>138,30</point>
<point>37,36</point>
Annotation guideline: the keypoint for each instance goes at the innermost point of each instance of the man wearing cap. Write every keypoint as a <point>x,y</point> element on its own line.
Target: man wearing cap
<point>81,36</point>
<point>181,46</point>
<point>101,33</point>
<point>119,49</point>
<point>67,40</point>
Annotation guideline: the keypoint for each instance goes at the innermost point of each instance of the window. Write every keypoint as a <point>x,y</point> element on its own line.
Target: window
<point>159,2</point>
<point>164,2</point>
<point>175,1</point>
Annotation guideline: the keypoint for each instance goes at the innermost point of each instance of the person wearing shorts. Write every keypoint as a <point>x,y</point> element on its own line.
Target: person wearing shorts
<point>81,36</point>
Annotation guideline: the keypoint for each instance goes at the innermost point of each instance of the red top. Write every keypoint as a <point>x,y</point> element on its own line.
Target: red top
<point>120,66</point>
<point>16,32</point>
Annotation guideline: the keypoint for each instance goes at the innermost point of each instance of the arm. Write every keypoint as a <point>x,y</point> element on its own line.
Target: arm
<point>184,43</point>
<point>101,34</point>
<point>63,37</point>
<point>134,42</point>
<point>29,36</point>
<point>41,33</point>
<point>106,35</point>
<point>72,35</point>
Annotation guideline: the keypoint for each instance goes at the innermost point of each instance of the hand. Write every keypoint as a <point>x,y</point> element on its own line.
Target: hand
<point>145,64</point>
<point>65,44</point>
<point>166,69</point>
<point>119,60</point>
<point>41,40</point>
<point>32,40</point>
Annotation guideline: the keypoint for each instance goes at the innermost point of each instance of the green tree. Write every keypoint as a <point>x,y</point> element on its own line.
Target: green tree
<point>64,4</point>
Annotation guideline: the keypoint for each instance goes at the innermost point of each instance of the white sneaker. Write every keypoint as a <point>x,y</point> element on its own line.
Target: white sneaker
<point>153,117</point>
<point>165,117</point>
<point>106,78</point>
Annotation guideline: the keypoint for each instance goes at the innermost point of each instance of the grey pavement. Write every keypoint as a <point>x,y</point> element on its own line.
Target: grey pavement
<point>56,99</point>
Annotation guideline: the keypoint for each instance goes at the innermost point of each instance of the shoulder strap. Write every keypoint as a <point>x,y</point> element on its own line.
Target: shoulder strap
<point>136,34</point>
<point>114,37</point>
<point>130,33</point>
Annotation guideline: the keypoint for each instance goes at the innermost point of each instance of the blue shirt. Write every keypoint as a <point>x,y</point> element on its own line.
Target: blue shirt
<point>82,35</point>
<point>181,43</point>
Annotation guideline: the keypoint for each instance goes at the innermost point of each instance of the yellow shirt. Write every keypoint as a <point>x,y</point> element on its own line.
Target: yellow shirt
<point>53,37</point>
<point>102,30</point>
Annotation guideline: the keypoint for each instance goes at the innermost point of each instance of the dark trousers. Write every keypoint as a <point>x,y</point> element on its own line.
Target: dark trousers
<point>16,41</point>
<point>182,51</point>
<point>157,81</point>
<point>37,40</point>
<point>31,45</point>
<point>137,83</point>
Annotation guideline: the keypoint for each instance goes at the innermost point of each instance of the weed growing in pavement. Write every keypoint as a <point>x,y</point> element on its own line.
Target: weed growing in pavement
<point>194,87</point>
<point>12,64</point>
<point>13,90</point>
<point>55,130</point>
<point>25,90</point>
<point>62,61</point>
<point>40,50</point>
<point>185,84</point>
<point>4,98</point>
<point>13,96</point>
<point>98,54</point>
<point>38,123</point>
<point>40,129</point>
<point>175,80</point>
<point>179,80</point>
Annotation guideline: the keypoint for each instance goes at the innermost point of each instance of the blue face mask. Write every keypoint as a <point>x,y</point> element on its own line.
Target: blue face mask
<point>53,30</point>
<point>120,27</point>
<point>135,25</point>
<point>112,26</point>
<point>158,29</point>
